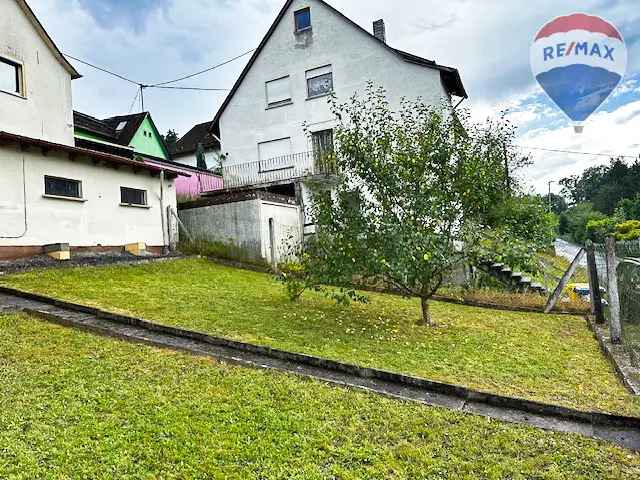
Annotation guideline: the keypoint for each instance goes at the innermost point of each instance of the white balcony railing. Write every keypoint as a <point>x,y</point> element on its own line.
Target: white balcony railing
<point>278,169</point>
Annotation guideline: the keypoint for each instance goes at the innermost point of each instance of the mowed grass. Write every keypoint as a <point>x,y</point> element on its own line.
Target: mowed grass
<point>549,358</point>
<point>75,405</point>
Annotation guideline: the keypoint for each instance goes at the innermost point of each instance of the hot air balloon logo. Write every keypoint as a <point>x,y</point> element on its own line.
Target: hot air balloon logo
<point>578,60</point>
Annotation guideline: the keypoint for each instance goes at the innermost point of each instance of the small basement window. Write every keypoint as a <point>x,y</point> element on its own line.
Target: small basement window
<point>303,19</point>
<point>62,187</point>
<point>319,81</point>
<point>10,76</point>
<point>278,92</point>
<point>133,196</point>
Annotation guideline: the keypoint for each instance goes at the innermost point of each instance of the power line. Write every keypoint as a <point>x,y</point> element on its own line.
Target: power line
<point>191,88</point>
<point>102,69</point>
<point>575,152</point>
<point>205,70</point>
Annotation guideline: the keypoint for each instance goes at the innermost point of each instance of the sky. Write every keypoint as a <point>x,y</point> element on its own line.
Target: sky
<point>151,41</point>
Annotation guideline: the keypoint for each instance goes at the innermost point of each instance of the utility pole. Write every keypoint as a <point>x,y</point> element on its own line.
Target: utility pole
<point>549,198</point>
<point>142,87</point>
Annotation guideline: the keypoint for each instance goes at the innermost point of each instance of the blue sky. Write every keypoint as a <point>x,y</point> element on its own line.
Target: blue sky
<point>487,40</point>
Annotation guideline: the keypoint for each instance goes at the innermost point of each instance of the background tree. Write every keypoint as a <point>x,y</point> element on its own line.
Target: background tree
<point>201,158</point>
<point>420,192</point>
<point>170,139</point>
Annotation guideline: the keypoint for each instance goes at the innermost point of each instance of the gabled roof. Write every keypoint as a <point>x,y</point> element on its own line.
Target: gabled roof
<point>201,133</point>
<point>94,125</point>
<point>132,124</point>
<point>47,39</point>
<point>450,76</point>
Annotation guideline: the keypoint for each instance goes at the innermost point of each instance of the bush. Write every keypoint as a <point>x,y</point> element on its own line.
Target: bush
<point>599,230</point>
<point>628,230</point>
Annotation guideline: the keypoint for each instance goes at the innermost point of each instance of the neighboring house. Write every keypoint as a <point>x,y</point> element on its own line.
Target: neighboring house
<point>136,136</point>
<point>52,191</point>
<point>136,131</point>
<point>310,52</point>
<point>184,151</point>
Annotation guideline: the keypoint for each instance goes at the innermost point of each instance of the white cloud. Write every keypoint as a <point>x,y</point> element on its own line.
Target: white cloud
<point>488,40</point>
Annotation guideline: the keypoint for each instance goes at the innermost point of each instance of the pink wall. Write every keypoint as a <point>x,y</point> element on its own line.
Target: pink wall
<point>194,185</point>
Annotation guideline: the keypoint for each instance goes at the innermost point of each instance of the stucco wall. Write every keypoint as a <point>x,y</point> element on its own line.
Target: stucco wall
<point>237,223</point>
<point>246,225</point>
<point>355,58</point>
<point>45,112</point>
<point>100,220</point>
<point>287,229</point>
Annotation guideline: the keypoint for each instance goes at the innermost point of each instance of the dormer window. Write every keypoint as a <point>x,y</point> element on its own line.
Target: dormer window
<point>303,19</point>
<point>10,77</point>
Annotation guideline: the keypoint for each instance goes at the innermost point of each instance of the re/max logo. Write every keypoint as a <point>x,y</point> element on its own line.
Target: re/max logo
<point>579,48</point>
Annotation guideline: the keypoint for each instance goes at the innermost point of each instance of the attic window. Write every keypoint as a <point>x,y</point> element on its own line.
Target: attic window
<point>120,126</point>
<point>10,77</point>
<point>303,19</point>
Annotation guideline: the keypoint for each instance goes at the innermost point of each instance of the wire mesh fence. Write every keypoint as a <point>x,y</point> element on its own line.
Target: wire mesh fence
<point>628,272</point>
<point>627,278</point>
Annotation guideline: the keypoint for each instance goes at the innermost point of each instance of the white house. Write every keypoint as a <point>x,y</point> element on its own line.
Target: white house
<point>310,51</point>
<point>206,134</point>
<point>52,192</point>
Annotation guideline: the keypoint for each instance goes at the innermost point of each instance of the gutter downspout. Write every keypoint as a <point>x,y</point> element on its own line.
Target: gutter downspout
<point>24,200</point>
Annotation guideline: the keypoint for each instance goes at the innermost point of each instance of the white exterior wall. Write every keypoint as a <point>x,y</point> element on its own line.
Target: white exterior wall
<point>287,229</point>
<point>100,220</point>
<point>245,224</point>
<point>45,111</point>
<point>355,58</point>
<point>211,156</point>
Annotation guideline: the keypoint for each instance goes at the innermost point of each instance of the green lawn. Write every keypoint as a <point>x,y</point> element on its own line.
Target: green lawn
<point>548,358</point>
<point>75,405</point>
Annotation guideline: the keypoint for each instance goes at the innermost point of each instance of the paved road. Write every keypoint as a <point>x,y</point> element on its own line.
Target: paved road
<point>568,251</point>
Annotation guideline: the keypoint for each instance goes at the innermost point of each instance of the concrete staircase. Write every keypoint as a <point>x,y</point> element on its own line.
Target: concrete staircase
<point>515,280</point>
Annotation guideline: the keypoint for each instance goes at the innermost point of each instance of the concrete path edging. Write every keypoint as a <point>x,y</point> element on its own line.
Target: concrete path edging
<point>624,431</point>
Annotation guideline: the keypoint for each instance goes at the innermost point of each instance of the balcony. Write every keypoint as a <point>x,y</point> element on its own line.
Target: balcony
<point>279,170</point>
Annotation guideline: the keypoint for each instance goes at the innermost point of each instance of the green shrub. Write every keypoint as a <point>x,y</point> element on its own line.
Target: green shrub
<point>599,230</point>
<point>629,230</point>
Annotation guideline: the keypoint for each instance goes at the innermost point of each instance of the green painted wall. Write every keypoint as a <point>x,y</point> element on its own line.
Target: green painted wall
<point>146,141</point>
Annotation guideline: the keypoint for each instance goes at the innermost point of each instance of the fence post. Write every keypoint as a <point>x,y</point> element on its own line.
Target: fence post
<point>594,283</point>
<point>614,299</point>
<point>557,293</point>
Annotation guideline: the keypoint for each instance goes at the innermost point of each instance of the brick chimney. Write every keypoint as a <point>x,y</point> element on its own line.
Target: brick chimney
<point>379,30</point>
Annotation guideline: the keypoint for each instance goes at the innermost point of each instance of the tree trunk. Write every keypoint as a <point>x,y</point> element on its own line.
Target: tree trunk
<point>426,314</point>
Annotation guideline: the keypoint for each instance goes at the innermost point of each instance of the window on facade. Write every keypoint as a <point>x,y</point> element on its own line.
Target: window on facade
<point>319,81</point>
<point>322,142</point>
<point>275,155</point>
<point>278,92</point>
<point>303,19</point>
<point>10,76</point>
<point>133,196</point>
<point>62,187</point>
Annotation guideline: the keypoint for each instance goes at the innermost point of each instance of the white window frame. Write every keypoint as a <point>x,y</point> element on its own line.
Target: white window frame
<point>283,101</point>
<point>78,198</point>
<point>136,205</point>
<point>319,72</point>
